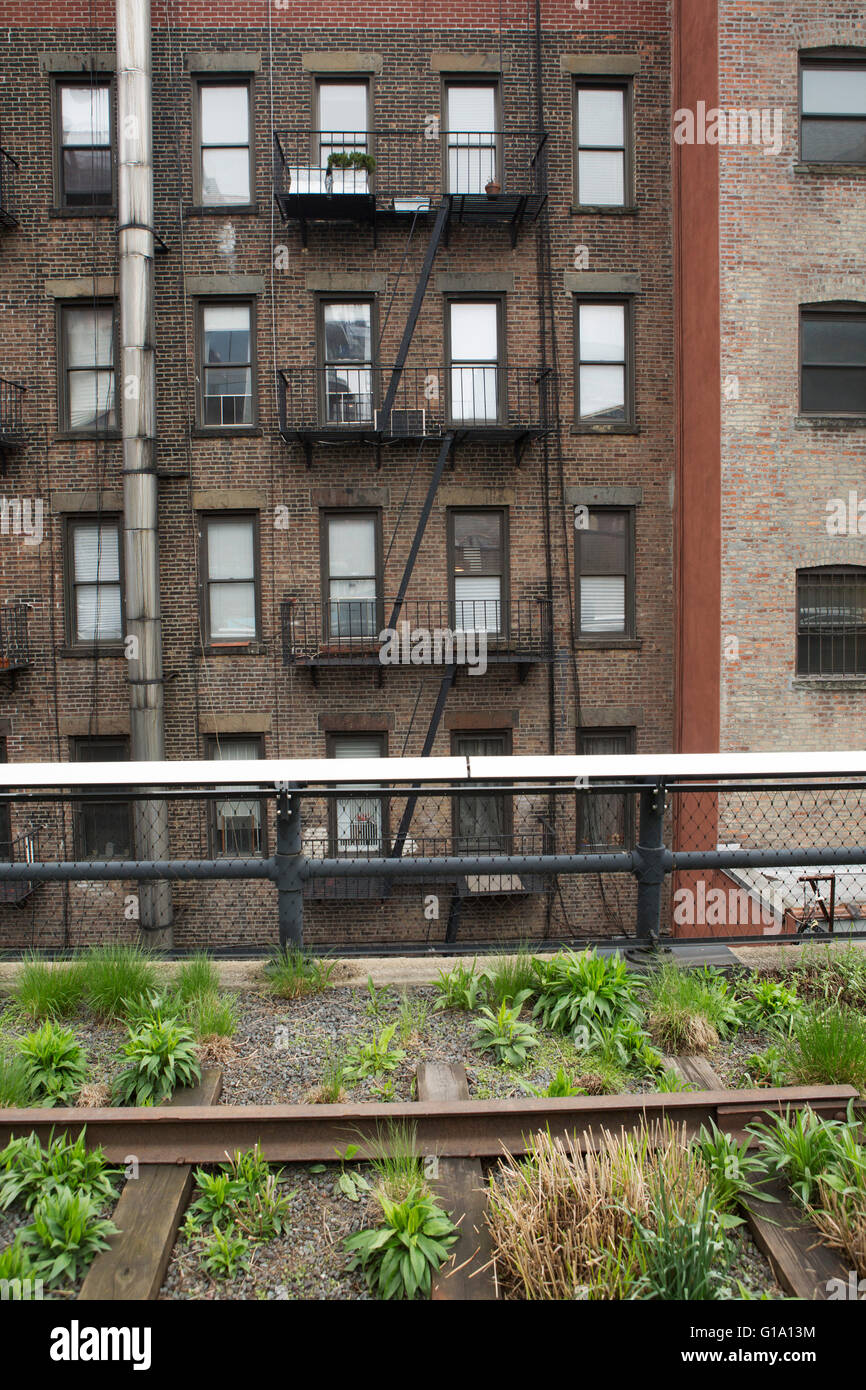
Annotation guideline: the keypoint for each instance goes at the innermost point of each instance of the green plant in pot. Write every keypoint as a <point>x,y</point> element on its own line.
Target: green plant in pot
<point>355,160</point>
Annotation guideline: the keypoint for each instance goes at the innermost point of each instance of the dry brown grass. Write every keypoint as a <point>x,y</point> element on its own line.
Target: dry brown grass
<point>93,1096</point>
<point>215,1050</point>
<point>842,1222</point>
<point>561,1221</point>
<point>682,1032</point>
<point>323,1095</point>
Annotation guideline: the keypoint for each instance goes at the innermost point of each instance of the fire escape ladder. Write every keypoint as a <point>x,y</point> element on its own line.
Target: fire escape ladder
<point>436,235</point>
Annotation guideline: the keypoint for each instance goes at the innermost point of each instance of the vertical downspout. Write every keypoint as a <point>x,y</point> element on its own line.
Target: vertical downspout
<point>138,392</point>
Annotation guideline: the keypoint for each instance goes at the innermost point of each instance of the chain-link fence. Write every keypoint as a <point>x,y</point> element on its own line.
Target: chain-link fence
<point>383,866</point>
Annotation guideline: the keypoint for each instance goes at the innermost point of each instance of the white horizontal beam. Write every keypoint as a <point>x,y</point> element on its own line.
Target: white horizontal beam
<point>427,771</point>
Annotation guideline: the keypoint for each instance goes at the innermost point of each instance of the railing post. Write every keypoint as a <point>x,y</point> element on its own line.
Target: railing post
<point>290,888</point>
<point>650,872</point>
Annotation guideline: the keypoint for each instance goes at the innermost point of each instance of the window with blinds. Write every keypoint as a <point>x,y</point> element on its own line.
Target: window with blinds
<point>95,609</point>
<point>230,580</point>
<point>602,356</point>
<point>477,547</point>
<point>357,821</point>
<point>87,355</point>
<point>604,568</point>
<point>602,153</point>
<point>237,823</point>
<point>472,137</point>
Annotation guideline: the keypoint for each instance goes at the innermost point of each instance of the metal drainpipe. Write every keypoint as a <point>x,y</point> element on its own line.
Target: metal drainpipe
<point>137,393</point>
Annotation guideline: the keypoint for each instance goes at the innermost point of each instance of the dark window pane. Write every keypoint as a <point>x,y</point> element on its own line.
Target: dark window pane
<point>831,621</point>
<point>603,546</point>
<point>834,389</point>
<point>87,177</point>
<point>834,142</point>
<point>834,341</point>
<point>481,819</point>
<point>477,543</point>
<point>103,829</point>
<point>604,818</point>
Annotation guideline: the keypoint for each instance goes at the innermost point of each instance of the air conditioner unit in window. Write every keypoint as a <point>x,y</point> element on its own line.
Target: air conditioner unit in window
<point>402,424</point>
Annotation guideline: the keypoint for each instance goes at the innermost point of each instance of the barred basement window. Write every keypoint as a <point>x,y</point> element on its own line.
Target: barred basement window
<point>94,598</point>
<point>833,359</point>
<point>83,124</point>
<point>358,823</point>
<point>238,823</point>
<point>102,829</point>
<point>833,108</point>
<point>831,621</point>
<point>605,820</point>
<point>482,822</point>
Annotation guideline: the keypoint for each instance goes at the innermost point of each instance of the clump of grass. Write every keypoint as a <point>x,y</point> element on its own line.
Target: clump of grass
<point>46,989</point>
<point>801,1147</point>
<point>584,990</point>
<point>509,975</point>
<point>827,973</point>
<point>681,1256</point>
<point>397,1161</point>
<point>330,1090</point>
<point>601,1076</point>
<point>412,1016</point>
<point>829,1048</point>
<point>292,974</point>
<point>14,1082</point>
<point>66,1234</point>
<point>562,1222</point>
<point>460,988</point>
<point>213,1016</point>
<point>117,979</point>
<point>689,1010</point>
<point>29,1172</point>
<point>197,977</point>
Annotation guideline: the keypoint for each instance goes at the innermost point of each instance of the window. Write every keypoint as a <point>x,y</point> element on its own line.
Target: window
<point>346,355</point>
<point>477,547</point>
<point>6,847</point>
<point>237,824</point>
<point>224,163</point>
<point>226,336</point>
<point>358,824</point>
<point>833,359</point>
<point>602,146</point>
<point>351,556</point>
<point>604,573</point>
<point>833,108</point>
<point>474,367</point>
<point>603,388</point>
<point>83,122</point>
<point>87,363</point>
<point>472,140</point>
<point>229,551</point>
<point>343,121</point>
<point>102,829</point>
<point>605,820</point>
<point>94,602</point>
<point>482,821</point>
<point>831,621</point>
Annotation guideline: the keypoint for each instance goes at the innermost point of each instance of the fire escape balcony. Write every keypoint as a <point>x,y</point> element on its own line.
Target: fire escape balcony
<point>11,415</point>
<point>473,402</point>
<point>345,632</point>
<point>14,642</point>
<point>9,168</point>
<point>488,177</point>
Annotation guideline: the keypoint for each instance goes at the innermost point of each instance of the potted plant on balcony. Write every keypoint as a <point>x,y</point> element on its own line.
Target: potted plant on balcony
<point>492,187</point>
<point>356,161</point>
